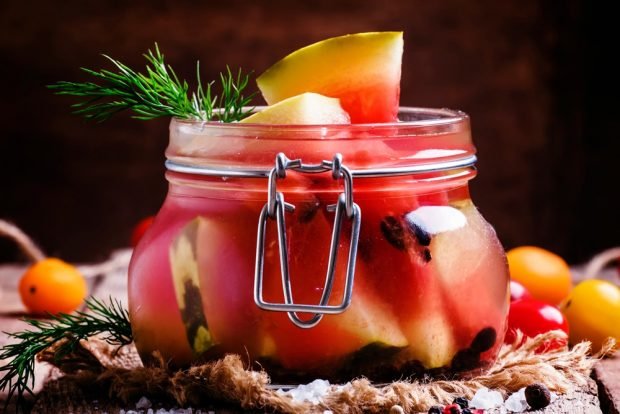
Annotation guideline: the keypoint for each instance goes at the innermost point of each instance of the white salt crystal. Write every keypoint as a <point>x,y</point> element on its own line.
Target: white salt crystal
<point>486,399</point>
<point>343,388</point>
<point>312,392</point>
<point>143,404</point>
<point>516,402</point>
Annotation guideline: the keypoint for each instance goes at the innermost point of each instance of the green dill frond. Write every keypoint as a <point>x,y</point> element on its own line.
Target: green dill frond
<point>109,320</point>
<point>157,93</point>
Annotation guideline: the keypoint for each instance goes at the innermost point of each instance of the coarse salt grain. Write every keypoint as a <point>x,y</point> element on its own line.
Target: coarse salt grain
<point>486,399</point>
<point>312,392</point>
<point>143,404</point>
<point>516,402</point>
<point>343,388</point>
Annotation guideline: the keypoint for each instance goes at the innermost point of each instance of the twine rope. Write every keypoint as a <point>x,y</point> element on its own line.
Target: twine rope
<point>34,253</point>
<point>23,241</point>
<point>600,261</point>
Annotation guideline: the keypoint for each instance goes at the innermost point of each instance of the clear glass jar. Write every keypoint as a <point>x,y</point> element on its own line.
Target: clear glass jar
<point>420,281</point>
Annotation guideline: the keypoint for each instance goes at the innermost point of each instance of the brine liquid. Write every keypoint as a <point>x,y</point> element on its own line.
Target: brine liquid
<point>430,292</point>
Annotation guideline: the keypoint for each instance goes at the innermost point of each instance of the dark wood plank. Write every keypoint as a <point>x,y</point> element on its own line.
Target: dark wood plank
<point>607,375</point>
<point>581,401</point>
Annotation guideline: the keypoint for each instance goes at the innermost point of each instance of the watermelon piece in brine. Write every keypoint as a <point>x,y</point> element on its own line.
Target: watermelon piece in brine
<point>368,320</point>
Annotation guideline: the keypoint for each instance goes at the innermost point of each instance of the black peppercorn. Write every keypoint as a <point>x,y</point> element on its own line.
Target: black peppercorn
<point>461,401</point>
<point>537,396</point>
<point>393,231</point>
<point>435,409</point>
<point>465,360</point>
<point>484,340</point>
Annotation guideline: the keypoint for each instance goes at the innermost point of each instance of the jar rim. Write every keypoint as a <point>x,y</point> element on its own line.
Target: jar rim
<point>421,137</point>
<point>409,117</point>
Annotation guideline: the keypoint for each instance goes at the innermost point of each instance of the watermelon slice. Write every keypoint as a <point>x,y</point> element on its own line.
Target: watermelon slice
<point>186,281</point>
<point>208,260</point>
<point>467,258</point>
<point>369,320</point>
<point>222,316</point>
<point>362,70</point>
<point>304,109</point>
<point>390,248</point>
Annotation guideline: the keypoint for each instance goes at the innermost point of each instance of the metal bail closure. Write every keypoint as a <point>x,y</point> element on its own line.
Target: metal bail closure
<point>275,209</point>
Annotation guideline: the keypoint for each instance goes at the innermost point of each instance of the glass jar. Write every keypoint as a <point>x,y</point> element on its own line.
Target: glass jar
<point>322,251</point>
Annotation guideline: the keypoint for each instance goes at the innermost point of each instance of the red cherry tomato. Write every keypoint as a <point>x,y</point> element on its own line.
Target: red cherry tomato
<point>533,317</point>
<point>518,291</point>
<point>140,229</point>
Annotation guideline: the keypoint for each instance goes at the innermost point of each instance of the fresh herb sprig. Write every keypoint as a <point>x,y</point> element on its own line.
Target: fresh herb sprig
<point>110,320</point>
<point>158,93</point>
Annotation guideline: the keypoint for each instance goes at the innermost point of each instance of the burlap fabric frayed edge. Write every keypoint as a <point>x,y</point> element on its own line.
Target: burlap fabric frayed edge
<point>98,369</point>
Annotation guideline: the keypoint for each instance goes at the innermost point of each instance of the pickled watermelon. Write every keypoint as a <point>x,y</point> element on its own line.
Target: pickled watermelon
<point>307,108</point>
<point>228,320</point>
<point>369,320</point>
<point>362,70</point>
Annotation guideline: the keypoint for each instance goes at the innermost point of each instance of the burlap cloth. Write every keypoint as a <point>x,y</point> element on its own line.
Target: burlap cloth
<point>101,378</point>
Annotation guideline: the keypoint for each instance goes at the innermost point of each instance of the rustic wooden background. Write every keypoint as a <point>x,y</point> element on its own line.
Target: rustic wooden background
<point>534,76</point>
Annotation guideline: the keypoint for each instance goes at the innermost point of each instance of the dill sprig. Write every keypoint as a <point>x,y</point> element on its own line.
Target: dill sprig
<point>17,376</point>
<point>158,93</point>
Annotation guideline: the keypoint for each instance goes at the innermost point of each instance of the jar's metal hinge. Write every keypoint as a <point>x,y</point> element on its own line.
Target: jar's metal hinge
<point>275,209</point>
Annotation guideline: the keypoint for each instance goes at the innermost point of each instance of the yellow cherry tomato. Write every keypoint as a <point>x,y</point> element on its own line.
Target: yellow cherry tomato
<point>52,286</point>
<point>593,312</point>
<point>544,274</point>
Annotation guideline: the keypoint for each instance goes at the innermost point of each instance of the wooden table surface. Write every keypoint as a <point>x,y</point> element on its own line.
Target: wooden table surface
<point>606,373</point>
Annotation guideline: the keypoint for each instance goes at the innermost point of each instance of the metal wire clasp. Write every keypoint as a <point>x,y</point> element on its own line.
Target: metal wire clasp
<point>274,209</point>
